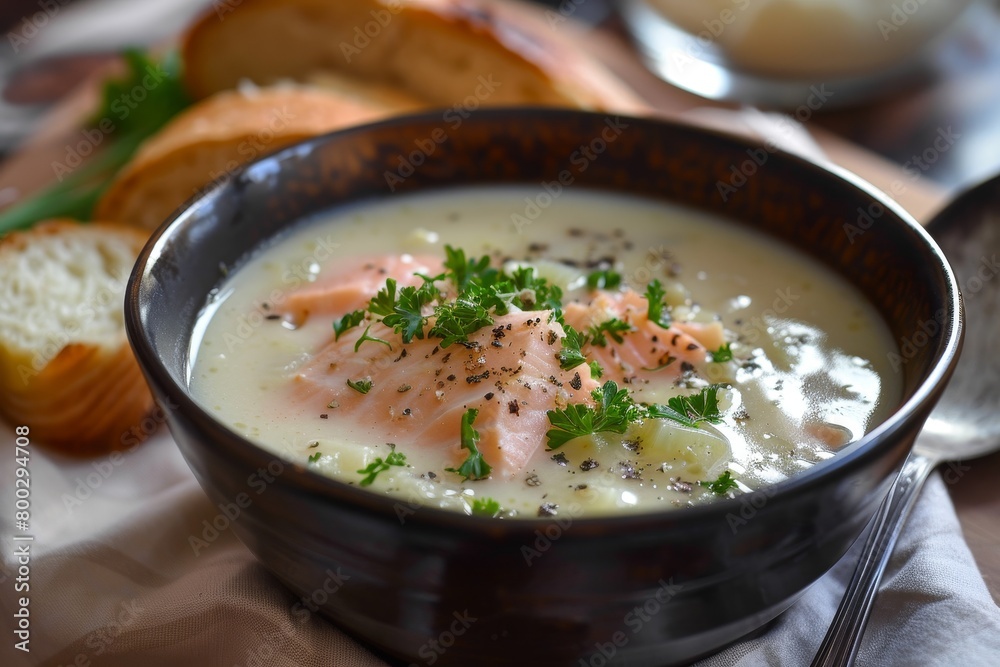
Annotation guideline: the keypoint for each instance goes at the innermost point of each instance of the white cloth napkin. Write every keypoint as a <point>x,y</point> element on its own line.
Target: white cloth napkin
<point>115,583</point>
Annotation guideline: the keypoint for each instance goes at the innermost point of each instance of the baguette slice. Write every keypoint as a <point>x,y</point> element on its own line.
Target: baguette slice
<point>66,369</point>
<point>444,52</point>
<point>211,139</point>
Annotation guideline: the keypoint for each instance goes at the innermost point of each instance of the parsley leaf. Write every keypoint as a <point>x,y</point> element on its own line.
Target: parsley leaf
<point>657,311</point>
<point>604,280</point>
<point>534,293</point>
<point>463,270</point>
<point>614,412</point>
<point>458,319</point>
<point>613,327</point>
<point>313,458</point>
<point>722,485</point>
<point>347,322</point>
<point>596,370</point>
<point>365,338</point>
<point>570,356</point>
<point>384,302</point>
<point>407,316</point>
<point>691,410</point>
<point>474,467</point>
<point>362,386</point>
<point>724,353</point>
<point>378,465</point>
<point>485,507</point>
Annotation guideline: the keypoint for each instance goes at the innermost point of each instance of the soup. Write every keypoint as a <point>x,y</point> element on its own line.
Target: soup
<point>471,350</point>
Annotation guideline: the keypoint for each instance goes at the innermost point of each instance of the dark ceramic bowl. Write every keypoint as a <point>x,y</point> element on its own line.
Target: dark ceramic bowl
<point>654,589</point>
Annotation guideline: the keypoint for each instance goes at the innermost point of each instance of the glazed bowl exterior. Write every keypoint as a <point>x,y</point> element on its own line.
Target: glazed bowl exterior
<point>428,586</point>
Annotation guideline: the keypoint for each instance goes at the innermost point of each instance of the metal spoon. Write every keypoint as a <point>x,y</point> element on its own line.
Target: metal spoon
<point>964,424</point>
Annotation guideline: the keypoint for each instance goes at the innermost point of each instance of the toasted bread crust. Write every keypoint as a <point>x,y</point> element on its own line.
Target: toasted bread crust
<point>215,136</point>
<point>436,50</point>
<point>85,395</point>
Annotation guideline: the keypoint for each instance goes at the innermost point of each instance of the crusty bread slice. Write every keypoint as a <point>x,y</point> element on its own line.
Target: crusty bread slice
<point>440,51</point>
<point>66,369</point>
<point>211,139</point>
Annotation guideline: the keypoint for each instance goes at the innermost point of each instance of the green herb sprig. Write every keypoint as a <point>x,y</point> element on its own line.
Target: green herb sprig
<point>722,485</point>
<point>130,121</point>
<point>474,467</point>
<point>372,470</point>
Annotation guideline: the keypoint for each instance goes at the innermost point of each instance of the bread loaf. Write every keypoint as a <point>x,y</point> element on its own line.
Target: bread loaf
<point>66,369</point>
<point>210,140</point>
<point>441,51</point>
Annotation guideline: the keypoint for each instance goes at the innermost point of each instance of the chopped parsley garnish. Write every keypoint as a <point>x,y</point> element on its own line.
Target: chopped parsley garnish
<point>362,386</point>
<point>384,302</point>
<point>457,319</point>
<point>347,322</point>
<point>313,458</point>
<point>604,280</point>
<point>378,465</point>
<point>613,328</point>
<point>485,507</point>
<point>614,412</point>
<point>570,356</point>
<point>531,292</point>
<point>482,292</point>
<point>596,370</point>
<point>474,467</point>
<point>691,410</point>
<point>407,318</point>
<point>365,337</point>
<point>722,485</point>
<point>657,311</point>
<point>724,353</point>
<point>462,271</point>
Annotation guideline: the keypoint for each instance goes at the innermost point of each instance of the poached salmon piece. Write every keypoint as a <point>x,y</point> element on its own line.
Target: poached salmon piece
<point>646,352</point>
<point>420,391</point>
<point>415,394</point>
<point>352,286</point>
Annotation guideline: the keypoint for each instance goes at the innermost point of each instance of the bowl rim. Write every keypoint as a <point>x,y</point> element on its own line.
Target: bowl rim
<point>330,489</point>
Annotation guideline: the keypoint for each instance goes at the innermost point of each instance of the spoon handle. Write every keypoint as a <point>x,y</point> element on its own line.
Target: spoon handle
<point>840,646</point>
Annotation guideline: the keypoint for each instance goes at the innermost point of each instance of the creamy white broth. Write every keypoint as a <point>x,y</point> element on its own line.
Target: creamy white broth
<point>811,363</point>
